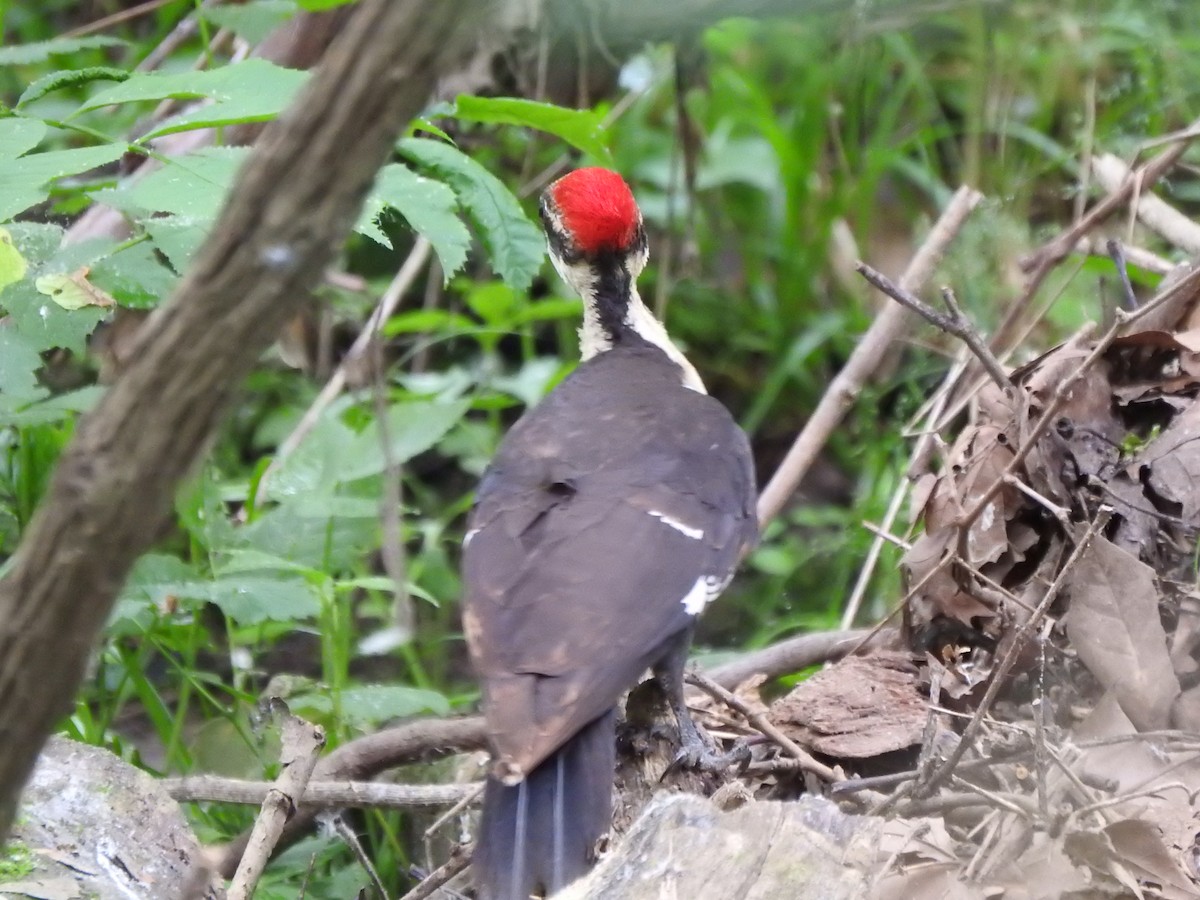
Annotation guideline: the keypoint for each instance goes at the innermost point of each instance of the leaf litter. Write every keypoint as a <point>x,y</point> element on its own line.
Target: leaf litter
<point>1033,730</point>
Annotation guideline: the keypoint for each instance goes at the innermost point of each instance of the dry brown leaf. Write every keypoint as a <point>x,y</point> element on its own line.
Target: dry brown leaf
<point>1140,845</point>
<point>1114,626</point>
<point>858,708</point>
<point>940,595</point>
<point>1170,466</point>
<point>977,461</point>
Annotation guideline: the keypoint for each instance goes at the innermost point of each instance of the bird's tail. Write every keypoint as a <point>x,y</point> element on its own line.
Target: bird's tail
<point>540,835</point>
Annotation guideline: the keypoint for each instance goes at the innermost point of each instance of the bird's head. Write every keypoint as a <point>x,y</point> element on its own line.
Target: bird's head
<point>598,245</point>
<point>593,225</point>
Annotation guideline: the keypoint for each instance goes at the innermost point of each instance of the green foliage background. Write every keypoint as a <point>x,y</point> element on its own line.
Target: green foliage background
<point>816,139</point>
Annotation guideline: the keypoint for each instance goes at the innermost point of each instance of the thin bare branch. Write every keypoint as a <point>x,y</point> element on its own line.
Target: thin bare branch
<point>887,327</point>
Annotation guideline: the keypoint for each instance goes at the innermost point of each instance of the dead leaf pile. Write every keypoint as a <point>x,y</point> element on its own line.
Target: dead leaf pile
<point>1035,732</point>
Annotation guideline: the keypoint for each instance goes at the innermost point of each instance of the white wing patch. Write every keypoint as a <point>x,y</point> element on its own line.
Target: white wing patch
<point>706,589</point>
<point>467,537</point>
<point>682,527</point>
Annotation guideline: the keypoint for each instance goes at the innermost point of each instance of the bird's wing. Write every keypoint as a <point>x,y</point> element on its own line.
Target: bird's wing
<point>566,609</point>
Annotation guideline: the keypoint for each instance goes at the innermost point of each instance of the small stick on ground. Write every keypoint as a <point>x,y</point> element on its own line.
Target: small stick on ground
<point>320,794</point>
<point>763,725</point>
<point>302,742</point>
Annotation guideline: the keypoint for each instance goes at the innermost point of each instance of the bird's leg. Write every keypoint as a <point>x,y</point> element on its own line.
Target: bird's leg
<point>697,750</point>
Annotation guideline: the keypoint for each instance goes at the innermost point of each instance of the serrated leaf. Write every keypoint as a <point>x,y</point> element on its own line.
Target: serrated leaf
<point>70,78</point>
<point>328,544</point>
<point>12,264</point>
<point>73,290</point>
<point>251,91</point>
<point>19,362</point>
<point>37,241</point>
<point>514,243</point>
<point>581,128</point>
<point>251,21</point>
<point>246,560</point>
<point>18,136</point>
<point>55,409</point>
<point>427,205</point>
<point>192,186</point>
<point>412,428</point>
<point>318,5</point>
<point>45,325</point>
<point>306,469</point>
<point>250,600</point>
<point>372,704</point>
<point>40,51</point>
<point>134,276</point>
<point>24,182</point>
<point>177,237</point>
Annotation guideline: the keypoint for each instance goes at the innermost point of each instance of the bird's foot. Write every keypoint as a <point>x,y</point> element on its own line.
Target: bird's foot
<point>700,753</point>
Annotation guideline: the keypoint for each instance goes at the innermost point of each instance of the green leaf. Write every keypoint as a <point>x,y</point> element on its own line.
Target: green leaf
<point>134,276</point>
<point>251,21</point>
<point>428,321</point>
<point>246,560</point>
<point>24,181</point>
<point>177,237</point>
<point>412,428</point>
<point>19,362</point>
<point>44,325</point>
<point>581,128</point>
<point>307,469</point>
<point>38,241</point>
<point>40,51</point>
<point>514,243</point>
<point>192,186</point>
<point>250,600</point>
<point>12,264</point>
<point>492,301</point>
<point>53,410</point>
<point>18,136</point>
<point>331,545</point>
<point>372,704</point>
<point>318,5</point>
<point>532,382</point>
<point>427,205</point>
<point>250,91</point>
<point>69,78</point>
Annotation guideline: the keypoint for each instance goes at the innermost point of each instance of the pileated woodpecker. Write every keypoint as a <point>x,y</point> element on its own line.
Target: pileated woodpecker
<point>613,512</point>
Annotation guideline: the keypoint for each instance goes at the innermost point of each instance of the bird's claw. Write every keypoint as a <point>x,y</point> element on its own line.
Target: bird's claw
<point>701,755</point>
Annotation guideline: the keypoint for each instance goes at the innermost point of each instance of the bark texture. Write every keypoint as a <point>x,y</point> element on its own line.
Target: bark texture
<point>294,202</point>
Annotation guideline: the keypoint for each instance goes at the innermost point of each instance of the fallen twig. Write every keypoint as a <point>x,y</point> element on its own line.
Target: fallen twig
<point>320,794</point>
<point>302,742</point>
<point>763,725</point>
<point>1158,215</point>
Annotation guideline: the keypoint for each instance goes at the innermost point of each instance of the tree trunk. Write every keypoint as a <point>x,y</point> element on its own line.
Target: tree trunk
<point>111,495</point>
